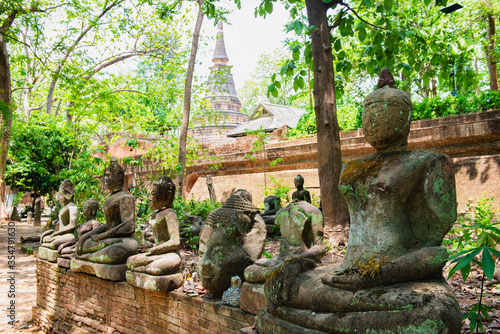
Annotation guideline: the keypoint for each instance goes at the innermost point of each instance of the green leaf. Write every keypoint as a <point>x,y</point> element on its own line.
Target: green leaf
<point>362,34</point>
<point>277,84</point>
<point>337,45</point>
<point>367,3</point>
<point>341,55</point>
<point>388,5</point>
<point>368,51</point>
<point>298,27</point>
<point>409,33</point>
<point>488,264</point>
<point>427,2</point>
<point>268,5</point>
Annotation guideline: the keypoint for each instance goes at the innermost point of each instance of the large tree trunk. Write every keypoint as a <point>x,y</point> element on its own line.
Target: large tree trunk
<point>187,98</point>
<point>335,211</point>
<point>490,54</point>
<point>5,120</point>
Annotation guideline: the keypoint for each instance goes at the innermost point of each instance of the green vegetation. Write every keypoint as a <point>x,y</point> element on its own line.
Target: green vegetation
<point>475,242</point>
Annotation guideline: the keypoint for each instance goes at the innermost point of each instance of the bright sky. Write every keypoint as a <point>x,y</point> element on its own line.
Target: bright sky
<point>246,38</point>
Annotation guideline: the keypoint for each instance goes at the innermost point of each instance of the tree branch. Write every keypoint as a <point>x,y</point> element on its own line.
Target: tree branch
<point>359,17</point>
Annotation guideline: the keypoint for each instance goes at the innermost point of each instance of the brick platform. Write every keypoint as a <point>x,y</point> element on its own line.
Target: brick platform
<point>70,302</point>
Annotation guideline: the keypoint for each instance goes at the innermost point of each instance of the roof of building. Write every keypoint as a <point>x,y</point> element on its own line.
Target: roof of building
<point>268,117</point>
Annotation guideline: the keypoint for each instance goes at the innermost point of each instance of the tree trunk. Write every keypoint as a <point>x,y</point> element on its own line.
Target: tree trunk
<point>335,213</point>
<point>187,98</point>
<point>5,120</point>
<point>490,54</point>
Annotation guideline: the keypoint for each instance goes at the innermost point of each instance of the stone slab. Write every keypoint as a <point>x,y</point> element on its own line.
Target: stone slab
<point>111,272</point>
<point>154,283</point>
<point>64,262</point>
<point>48,254</point>
<point>252,297</point>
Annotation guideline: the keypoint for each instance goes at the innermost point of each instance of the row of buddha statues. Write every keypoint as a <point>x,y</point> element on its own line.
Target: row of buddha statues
<point>401,205</point>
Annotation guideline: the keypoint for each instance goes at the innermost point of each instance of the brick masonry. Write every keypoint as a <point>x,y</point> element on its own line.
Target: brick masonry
<point>70,302</point>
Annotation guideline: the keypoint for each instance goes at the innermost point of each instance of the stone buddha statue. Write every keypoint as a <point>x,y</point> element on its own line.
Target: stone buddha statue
<point>233,237</point>
<point>300,194</point>
<point>51,240</point>
<point>272,204</point>
<point>158,268</point>
<point>401,204</point>
<point>67,250</point>
<point>104,250</point>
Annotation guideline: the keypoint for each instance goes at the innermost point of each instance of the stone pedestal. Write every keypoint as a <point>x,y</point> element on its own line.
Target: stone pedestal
<point>154,283</point>
<point>48,254</point>
<point>110,272</point>
<point>64,262</point>
<point>29,218</point>
<point>252,297</point>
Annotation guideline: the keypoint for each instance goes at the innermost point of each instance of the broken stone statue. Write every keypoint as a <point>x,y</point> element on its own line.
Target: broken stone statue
<point>272,204</point>
<point>67,250</point>
<point>401,205</point>
<point>300,194</point>
<point>104,250</point>
<point>158,268</point>
<point>51,240</point>
<point>233,238</point>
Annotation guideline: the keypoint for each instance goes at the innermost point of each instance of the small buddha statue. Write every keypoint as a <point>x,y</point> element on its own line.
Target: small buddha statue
<point>302,236</point>
<point>233,237</point>
<point>300,194</point>
<point>272,204</point>
<point>158,268</point>
<point>67,250</point>
<point>401,205</point>
<point>51,240</point>
<point>104,250</point>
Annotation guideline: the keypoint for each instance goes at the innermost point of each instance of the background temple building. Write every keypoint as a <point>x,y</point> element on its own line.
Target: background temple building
<point>225,114</point>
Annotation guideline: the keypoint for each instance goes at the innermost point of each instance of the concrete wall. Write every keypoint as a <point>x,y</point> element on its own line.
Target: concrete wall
<point>69,302</point>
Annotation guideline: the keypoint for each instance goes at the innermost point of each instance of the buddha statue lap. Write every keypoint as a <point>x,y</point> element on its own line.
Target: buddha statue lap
<point>158,268</point>
<point>67,250</point>
<point>401,204</point>
<point>233,237</point>
<point>104,250</point>
<point>50,240</point>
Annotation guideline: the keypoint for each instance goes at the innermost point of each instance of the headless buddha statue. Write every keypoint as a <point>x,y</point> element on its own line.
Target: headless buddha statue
<point>158,268</point>
<point>112,243</point>
<point>401,204</point>
<point>51,240</point>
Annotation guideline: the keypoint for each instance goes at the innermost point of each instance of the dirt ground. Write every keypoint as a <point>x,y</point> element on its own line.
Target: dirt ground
<point>25,282</point>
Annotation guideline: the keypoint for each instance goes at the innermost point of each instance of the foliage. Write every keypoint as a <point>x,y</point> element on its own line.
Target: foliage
<point>141,195</point>
<point>279,189</point>
<point>479,233</point>
<point>192,207</point>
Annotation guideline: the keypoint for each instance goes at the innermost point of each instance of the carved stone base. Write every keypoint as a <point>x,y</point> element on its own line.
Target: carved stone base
<point>111,272</point>
<point>252,297</point>
<point>154,283</point>
<point>48,254</point>
<point>64,262</point>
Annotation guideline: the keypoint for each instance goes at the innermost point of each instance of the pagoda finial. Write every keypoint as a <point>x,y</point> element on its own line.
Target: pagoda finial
<point>220,47</point>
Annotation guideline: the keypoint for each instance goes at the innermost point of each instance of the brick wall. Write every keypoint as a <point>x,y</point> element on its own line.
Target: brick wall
<point>70,302</point>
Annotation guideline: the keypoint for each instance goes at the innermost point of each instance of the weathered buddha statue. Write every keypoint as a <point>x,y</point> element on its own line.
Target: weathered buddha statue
<point>300,194</point>
<point>272,204</point>
<point>67,250</point>
<point>51,240</point>
<point>401,204</point>
<point>233,237</point>
<point>302,236</point>
<point>158,268</point>
<point>104,250</point>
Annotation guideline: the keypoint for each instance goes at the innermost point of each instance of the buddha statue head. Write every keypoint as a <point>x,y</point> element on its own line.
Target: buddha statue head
<point>162,193</point>
<point>299,181</point>
<point>387,116</point>
<point>90,208</point>
<point>114,176</point>
<point>243,193</point>
<point>66,192</point>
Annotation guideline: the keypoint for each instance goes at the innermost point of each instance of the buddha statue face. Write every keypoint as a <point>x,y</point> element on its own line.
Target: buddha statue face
<point>66,192</point>
<point>162,193</point>
<point>90,208</point>
<point>114,176</point>
<point>386,119</point>
<point>298,181</point>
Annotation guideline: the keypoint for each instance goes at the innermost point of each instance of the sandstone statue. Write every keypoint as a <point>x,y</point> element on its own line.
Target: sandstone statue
<point>158,268</point>
<point>104,251</point>
<point>67,250</point>
<point>300,194</point>
<point>51,240</point>
<point>302,236</point>
<point>272,204</point>
<point>401,204</point>
<point>233,238</point>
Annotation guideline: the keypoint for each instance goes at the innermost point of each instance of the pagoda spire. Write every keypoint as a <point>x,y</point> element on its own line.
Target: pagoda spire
<point>220,55</point>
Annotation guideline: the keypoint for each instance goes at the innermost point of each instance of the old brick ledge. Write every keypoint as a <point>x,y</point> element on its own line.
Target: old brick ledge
<point>70,302</point>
